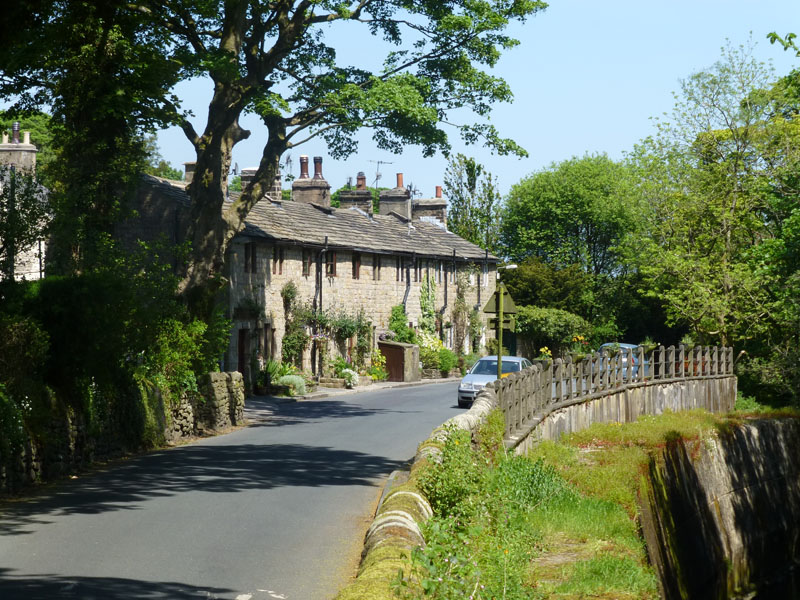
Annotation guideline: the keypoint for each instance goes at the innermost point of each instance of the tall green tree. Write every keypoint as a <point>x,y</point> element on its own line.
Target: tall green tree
<point>568,223</point>
<point>702,176</point>
<point>474,202</point>
<point>278,60</point>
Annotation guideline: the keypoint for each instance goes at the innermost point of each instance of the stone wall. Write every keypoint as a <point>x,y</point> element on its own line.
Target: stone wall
<point>721,516</point>
<point>262,289</point>
<point>70,446</point>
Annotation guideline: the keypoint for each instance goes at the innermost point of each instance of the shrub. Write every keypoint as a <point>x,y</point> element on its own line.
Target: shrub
<point>429,347</point>
<point>398,323</point>
<point>350,378</point>
<point>447,360</point>
<point>550,327</point>
<point>377,369</point>
<point>295,382</point>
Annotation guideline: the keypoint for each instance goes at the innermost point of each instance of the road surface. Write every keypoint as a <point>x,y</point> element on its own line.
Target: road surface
<point>276,510</point>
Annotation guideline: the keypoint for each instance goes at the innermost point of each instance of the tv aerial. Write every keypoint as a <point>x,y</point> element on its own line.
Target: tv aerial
<point>378,169</point>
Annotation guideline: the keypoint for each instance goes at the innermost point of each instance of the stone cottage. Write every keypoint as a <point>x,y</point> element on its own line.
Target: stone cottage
<point>342,259</point>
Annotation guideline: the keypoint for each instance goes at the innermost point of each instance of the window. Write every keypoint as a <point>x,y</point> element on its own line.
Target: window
<point>400,273</point>
<point>356,265</point>
<point>438,271</point>
<point>485,274</point>
<point>308,257</point>
<point>376,267</point>
<point>416,270</point>
<point>330,263</point>
<point>250,258</point>
<point>277,261</point>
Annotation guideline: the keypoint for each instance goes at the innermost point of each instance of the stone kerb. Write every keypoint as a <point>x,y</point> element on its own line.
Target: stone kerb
<point>396,528</point>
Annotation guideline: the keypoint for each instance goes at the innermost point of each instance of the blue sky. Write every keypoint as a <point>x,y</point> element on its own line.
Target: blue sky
<point>587,77</point>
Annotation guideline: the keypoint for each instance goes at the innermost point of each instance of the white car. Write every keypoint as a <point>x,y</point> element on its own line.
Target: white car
<point>485,371</point>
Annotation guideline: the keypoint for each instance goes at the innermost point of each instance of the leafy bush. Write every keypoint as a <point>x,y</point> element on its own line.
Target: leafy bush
<point>377,369</point>
<point>398,323</point>
<point>447,360</point>
<point>550,327</point>
<point>350,378</point>
<point>429,347</point>
<point>339,366</point>
<point>295,382</point>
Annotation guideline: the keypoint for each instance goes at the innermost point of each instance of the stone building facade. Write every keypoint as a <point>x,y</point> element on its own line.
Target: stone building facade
<point>21,155</point>
<point>341,260</point>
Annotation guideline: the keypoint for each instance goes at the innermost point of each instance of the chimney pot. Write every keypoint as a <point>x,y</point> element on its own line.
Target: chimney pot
<point>438,191</point>
<point>318,167</point>
<point>26,137</point>
<point>399,180</point>
<point>361,181</point>
<point>303,167</point>
<point>15,133</point>
<point>5,137</point>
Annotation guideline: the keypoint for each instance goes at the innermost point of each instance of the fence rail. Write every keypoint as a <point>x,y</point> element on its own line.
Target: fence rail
<point>526,395</point>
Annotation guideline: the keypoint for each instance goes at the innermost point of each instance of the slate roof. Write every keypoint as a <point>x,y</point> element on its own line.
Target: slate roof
<point>309,224</point>
<point>297,222</point>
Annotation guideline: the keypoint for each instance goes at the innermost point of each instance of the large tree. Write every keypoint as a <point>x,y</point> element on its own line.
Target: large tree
<point>277,60</point>
<point>474,200</point>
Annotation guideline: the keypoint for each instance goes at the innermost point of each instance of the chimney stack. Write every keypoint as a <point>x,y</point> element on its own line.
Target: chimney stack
<point>431,210</point>
<point>397,200</point>
<point>20,154</point>
<point>188,171</point>
<point>308,190</point>
<point>360,197</point>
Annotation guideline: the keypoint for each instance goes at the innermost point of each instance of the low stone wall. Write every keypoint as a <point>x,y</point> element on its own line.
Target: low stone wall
<point>71,446</point>
<point>721,516</point>
<point>221,403</point>
<point>395,531</point>
<point>624,404</point>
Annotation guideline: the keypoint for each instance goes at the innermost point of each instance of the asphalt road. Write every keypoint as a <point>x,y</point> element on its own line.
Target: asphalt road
<point>276,510</point>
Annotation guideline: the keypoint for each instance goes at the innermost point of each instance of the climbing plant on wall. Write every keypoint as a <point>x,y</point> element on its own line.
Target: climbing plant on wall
<point>427,304</point>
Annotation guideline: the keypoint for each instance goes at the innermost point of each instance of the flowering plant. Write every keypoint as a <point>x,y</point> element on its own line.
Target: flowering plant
<point>545,354</point>
<point>350,377</point>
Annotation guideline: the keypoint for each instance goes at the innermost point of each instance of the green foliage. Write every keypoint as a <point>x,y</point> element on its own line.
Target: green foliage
<point>452,486</point>
<point>447,360</point>
<point>296,383</point>
<point>427,304</point>
<point>294,342</point>
<point>156,165</point>
<point>363,338</point>
<point>492,347</point>
<point>38,123</point>
<point>12,431</point>
<point>398,323</point>
<point>24,216</point>
<point>235,184</point>
<point>377,369</point>
<point>474,202</point>
<point>550,327</point>
<point>339,365</point>
<point>429,348</point>
<point>460,312</point>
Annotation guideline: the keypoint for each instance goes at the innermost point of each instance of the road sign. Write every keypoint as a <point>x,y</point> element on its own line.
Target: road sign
<point>509,308</point>
<point>508,322</point>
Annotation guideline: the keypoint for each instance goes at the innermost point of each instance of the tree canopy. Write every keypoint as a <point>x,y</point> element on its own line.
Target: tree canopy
<point>277,60</point>
<point>474,200</point>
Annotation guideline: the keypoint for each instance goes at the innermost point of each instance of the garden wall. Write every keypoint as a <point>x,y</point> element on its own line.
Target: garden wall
<point>69,445</point>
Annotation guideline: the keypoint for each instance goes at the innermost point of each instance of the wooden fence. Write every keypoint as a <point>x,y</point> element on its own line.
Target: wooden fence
<point>528,396</point>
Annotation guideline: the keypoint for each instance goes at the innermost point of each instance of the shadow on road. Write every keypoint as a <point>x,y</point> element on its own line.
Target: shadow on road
<point>213,468</point>
<point>97,588</point>
<point>261,412</point>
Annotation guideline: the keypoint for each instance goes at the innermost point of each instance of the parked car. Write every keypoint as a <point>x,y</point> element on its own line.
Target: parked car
<point>485,371</point>
<point>610,347</point>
